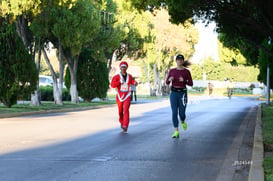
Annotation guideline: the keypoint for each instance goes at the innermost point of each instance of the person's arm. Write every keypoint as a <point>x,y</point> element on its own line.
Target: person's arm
<point>115,82</point>
<point>189,79</point>
<point>134,82</point>
<point>169,78</point>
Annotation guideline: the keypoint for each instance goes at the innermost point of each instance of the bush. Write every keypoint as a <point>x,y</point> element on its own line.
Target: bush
<point>198,89</point>
<point>66,95</point>
<point>47,94</point>
<point>92,77</point>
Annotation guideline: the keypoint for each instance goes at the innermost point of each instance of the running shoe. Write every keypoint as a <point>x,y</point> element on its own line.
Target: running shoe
<point>124,129</point>
<point>184,126</point>
<point>176,134</point>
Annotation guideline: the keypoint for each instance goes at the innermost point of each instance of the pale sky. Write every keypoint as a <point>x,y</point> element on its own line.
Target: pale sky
<point>207,44</point>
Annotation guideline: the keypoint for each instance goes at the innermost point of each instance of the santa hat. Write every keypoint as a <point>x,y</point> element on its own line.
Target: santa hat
<point>123,64</point>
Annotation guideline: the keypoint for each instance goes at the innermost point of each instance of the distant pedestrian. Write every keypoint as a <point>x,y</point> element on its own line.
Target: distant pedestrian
<point>179,77</point>
<point>122,83</point>
<point>210,86</point>
<point>230,88</point>
<point>133,92</point>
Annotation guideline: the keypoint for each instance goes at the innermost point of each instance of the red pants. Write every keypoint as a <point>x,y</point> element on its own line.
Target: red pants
<point>123,110</point>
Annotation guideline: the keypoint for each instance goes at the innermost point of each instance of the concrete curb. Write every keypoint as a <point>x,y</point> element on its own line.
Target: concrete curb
<point>256,172</point>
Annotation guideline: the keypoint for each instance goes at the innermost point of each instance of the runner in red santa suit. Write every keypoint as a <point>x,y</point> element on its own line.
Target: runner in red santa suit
<point>122,82</point>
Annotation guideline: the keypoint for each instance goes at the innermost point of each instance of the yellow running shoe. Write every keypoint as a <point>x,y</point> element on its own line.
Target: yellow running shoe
<point>176,134</point>
<point>184,126</point>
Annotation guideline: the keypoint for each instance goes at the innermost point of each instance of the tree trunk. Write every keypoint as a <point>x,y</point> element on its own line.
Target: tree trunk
<point>159,84</point>
<point>146,69</point>
<point>73,87</point>
<point>36,96</point>
<point>21,25</point>
<point>155,79</point>
<point>56,93</point>
<point>111,60</point>
<point>61,68</point>
<point>165,87</point>
<point>73,75</point>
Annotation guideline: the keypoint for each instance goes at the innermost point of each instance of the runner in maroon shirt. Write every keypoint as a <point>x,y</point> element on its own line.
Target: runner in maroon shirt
<point>179,77</point>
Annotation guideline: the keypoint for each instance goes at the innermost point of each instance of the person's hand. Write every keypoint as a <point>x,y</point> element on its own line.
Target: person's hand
<point>171,79</point>
<point>181,79</point>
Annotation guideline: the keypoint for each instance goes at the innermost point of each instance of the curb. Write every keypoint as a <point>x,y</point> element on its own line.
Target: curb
<point>256,172</point>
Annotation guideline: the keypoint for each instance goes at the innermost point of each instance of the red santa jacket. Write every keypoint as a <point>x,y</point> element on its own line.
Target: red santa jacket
<point>123,87</point>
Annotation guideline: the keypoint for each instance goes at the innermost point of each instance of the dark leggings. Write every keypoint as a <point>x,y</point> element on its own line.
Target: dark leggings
<point>178,104</point>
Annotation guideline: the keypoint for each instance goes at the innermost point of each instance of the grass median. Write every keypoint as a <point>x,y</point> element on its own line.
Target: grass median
<point>24,107</point>
<point>49,106</point>
<point>267,126</point>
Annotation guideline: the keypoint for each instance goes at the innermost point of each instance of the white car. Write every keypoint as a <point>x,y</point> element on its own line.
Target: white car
<point>45,80</point>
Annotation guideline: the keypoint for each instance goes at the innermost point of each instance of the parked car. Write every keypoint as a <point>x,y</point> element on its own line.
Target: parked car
<point>45,80</point>
<point>58,80</point>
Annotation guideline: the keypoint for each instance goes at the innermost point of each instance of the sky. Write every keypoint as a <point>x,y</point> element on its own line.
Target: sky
<point>207,44</point>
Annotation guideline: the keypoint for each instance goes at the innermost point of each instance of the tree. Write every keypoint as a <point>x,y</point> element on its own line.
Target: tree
<point>92,77</point>
<point>231,55</point>
<point>219,70</point>
<point>75,27</point>
<point>42,29</point>
<point>18,75</point>
<point>246,24</point>
<point>213,70</point>
<point>106,43</point>
<point>249,20</point>
<point>22,13</point>
<point>169,40</point>
<point>264,61</point>
<point>132,37</point>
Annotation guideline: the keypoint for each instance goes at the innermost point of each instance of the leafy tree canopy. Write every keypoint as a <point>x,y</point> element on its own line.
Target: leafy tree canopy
<point>17,7</point>
<point>75,27</point>
<point>232,56</point>
<point>265,61</point>
<point>249,20</point>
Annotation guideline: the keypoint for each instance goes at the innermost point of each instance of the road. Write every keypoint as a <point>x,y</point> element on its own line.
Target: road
<point>89,146</point>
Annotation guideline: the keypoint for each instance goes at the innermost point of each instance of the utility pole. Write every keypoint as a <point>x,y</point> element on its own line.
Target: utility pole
<point>268,78</point>
<point>268,84</point>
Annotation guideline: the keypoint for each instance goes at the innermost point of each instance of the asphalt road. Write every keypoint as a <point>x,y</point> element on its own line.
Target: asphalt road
<point>89,146</point>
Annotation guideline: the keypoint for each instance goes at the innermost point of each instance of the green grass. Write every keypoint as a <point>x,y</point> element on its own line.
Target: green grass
<point>267,126</point>
<point>268,168</point>
<point>45,106</point>
<point>267,120</point>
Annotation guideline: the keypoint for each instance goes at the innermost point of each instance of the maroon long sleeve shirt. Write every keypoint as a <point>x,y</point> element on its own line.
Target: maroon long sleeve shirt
<point>176,74</point>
